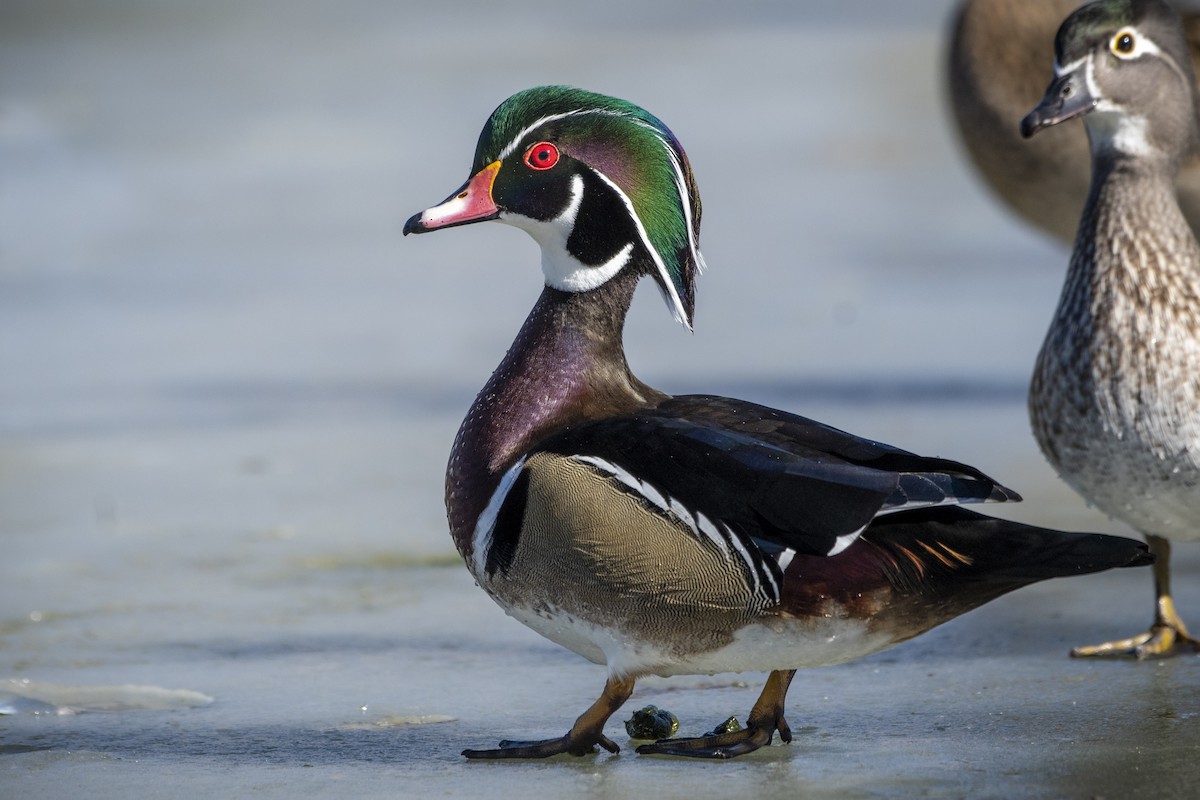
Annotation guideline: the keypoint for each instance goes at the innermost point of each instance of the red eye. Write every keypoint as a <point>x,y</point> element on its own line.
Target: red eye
<point>542,155</point>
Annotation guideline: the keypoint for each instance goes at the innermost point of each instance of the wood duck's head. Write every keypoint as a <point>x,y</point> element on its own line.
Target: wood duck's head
<point>1126,65</point>
<point>601,184</point>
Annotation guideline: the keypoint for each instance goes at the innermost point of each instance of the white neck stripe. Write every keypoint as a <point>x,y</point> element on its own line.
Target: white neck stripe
<point>567,217</point>
<point>685,198</point>
<point>585,278</point>
<point>562,270</point>
<point>673,300</point>
<point>567,276</point>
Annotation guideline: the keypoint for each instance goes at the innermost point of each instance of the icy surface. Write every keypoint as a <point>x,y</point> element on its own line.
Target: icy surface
<point>26,696</point>
<point>229,389</point>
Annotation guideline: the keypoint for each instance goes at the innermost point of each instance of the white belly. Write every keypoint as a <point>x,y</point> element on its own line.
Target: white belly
<point>771,644</point>
<point>1129,478</point>
<point>1132,452</point>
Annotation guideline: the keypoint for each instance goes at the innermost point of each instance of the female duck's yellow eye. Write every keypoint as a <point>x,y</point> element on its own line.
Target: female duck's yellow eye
<point>1123,43</point>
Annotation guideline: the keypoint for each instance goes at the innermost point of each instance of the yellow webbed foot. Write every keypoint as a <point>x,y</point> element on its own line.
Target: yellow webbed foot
<point>1161,641</point>
<point>1167,637</point>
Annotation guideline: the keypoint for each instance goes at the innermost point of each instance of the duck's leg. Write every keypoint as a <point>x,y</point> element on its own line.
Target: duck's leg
<point>765,718</point>
<point>1168,636</point>
<point>585,734</point>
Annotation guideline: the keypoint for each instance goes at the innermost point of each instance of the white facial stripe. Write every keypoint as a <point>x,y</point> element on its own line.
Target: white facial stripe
<point>481,540</point>
<point>1087,66</point>
<point>564,223</point>
<point>567,275</point>
<point>673,301</point>
<point>1063,69</point>
<point>1089,74</point>
<point>511,147</point>
<point>1142,45</point>
<point>1145,46</point>
<point>562,270</point>
<point>681,184</point>
<point>1111,125</point>
<point>572,275</point>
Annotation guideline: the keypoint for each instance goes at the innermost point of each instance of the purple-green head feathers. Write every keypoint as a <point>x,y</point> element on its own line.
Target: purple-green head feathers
<point>571,162</point>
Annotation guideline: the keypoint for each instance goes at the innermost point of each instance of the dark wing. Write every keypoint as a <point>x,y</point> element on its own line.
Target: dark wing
<point>781,480</point>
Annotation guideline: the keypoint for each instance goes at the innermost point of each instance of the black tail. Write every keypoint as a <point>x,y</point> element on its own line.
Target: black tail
<point>947,546</point>
<point>912,570</point>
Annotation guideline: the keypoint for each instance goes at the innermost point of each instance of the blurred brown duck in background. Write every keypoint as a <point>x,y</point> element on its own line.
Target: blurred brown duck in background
<point>996,72</point>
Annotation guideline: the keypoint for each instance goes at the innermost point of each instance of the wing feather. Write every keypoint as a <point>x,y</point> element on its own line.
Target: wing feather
<point>776,481</point>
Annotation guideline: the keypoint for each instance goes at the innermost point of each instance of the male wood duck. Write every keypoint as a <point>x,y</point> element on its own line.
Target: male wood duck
<point>995,73</point>
<point>691,534</point>
<point>1115,397</point>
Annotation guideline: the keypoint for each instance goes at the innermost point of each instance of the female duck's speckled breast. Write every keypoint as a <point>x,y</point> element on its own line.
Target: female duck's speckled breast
<point>1115,399</point>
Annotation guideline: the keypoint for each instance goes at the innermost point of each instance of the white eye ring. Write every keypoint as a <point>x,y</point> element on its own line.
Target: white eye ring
<point>1124,44</point>
<point>1128,44</point>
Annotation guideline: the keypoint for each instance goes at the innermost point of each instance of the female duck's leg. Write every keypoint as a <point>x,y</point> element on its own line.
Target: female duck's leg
<point>1168,635</point>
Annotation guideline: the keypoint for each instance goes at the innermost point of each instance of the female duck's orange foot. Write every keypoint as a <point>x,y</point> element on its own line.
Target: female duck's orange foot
<point>1161,641</point>
<point>1167,637</point>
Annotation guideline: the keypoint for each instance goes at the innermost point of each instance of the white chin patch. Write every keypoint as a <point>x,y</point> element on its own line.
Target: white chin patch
<point>562,270</point>
<point>1117,130</point>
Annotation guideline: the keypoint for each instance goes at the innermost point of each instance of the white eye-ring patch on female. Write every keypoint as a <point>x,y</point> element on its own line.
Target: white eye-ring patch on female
<point>1128,44</point>
<point>1123,44</point>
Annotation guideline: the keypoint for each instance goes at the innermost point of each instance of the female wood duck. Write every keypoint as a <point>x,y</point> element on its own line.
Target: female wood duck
<point>692,534</point>
<point>1115,398</point>
<point>995,72</point>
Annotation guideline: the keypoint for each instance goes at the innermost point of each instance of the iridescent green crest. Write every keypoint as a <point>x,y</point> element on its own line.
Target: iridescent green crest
<point>630,148</point>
